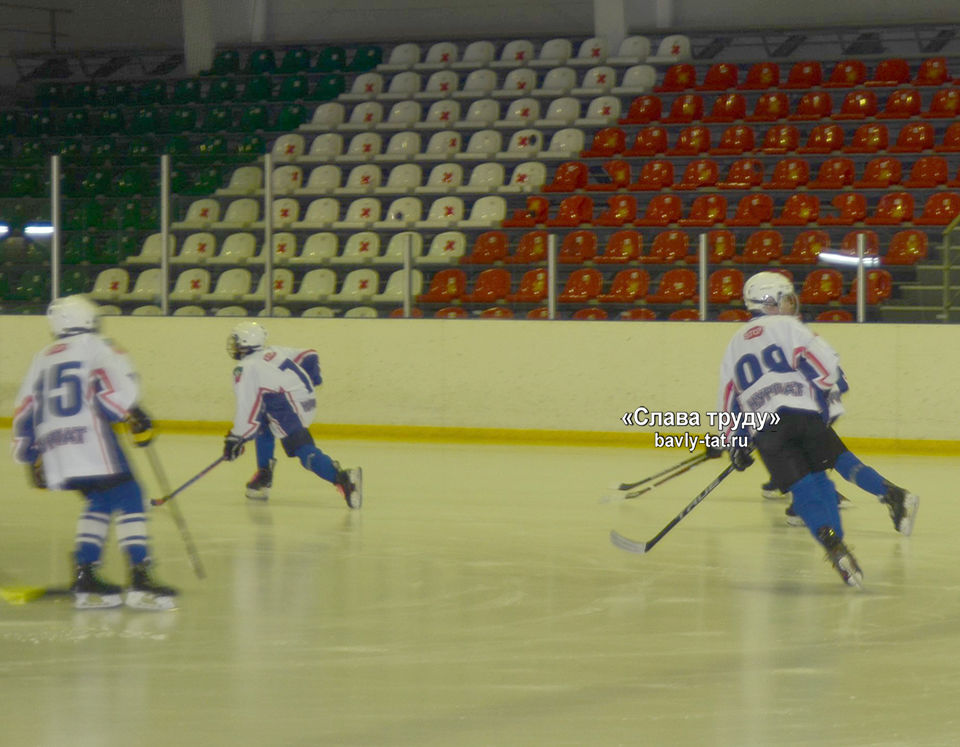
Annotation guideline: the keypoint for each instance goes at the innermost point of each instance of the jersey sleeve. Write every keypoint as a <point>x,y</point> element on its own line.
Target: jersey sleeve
<point>114,382</point>
<point>24,445</point>
<point>246,388</point>
<point>815,359</point>
<point>309,361</point>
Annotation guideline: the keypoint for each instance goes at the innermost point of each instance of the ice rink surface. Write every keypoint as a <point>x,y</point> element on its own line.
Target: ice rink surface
<point>476,599</point>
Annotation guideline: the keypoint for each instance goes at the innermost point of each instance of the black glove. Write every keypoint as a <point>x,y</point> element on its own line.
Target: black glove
<point>232,447</point>
<point>37,476</point>
<point>714,452</point>
<point>141,427</point>
<point>740,457</point>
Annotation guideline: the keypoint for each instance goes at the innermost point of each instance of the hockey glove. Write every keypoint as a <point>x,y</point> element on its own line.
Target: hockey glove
<point>141,427</point>
<point>37,477</point>
<point>714,453</point>
<point>740,457</point>
<point>232,447</point>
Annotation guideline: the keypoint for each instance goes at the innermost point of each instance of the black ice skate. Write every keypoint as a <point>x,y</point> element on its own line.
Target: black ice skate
<point>902,505</point>
<point>90,592</point>
<point>350,485</point>
<point>258,489</point>
<point>841,558</point>
<point>145,594</point>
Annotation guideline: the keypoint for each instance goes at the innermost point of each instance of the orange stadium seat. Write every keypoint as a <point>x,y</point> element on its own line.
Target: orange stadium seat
<point>725,286</point>
<point>846,74</point>
<point>806,248</point>
<point>903,103</point>
<point>621,209</point>
<point>752,210</point>
<point>640,314</point>
<point>906,248</point>
<point>851,208</point>
<point>662,210</point>
<point>892,72</point>
<point>691,141</point>
<point>821,286</point>
<point>679,77</point>
<point>914,138</point>
<point>684,315</point>
<point>622,246</point>
<point>780,139</point>
<point>880,173</point>
<point>928,172</point>
<point>650,141</point>
<point>618,171</point>
<point>668,247</point>
<point>531,248</point>
<point>590,314</point>
<point>799,210</point>
<point>812,106</point>
<point>879,287</point>
<point>735,140</point>
<point>573,211</point>
<point>834,315</point>
<point>760,76</point>
<point>535,213</point>
<point>582,285</point>
<point>654,175</point>
<point>608,141</point>
<point>744,173</point>
<point>805,74</point>
<point>762,247</point>
<point>945,104</point>
<point>734,315</point>
<point>627,286</point>
<point>445,286</point>
<point>951,140</point>
<point>706,210</point>
<point>789,173</point>
<point>720,76</point>
<point>857,105</point>
<point>532,288</point>
<point>643,110</point>
<point>770,107</point>
<point>685,109</point>
<point>699,173</point>
<point>728,107</point>
<point>932,72</point>
<point>578,247</point>
<point>491,286</point>
<point>824,138</point>
<point>848,245</point>
<point>452,312</point>
<point>721,247</point>
<point>893,209</point>
<point>489,247</point>
<point>868,138</point>
<point>496,312</point>
<point>834,173</point>
<point>939,210</point>
<point>676,286</point>
<point>568,177</point>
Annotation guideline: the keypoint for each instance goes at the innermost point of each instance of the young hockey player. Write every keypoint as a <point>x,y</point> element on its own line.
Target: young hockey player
<point>75,389</point>
<point>775,364</point>
<point>274,388</point>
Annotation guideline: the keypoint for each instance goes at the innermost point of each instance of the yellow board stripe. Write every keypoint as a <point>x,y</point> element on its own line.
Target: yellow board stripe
<point>533,437</point>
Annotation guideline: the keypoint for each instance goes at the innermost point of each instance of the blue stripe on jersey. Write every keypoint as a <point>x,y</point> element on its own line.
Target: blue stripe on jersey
<point>279,410</point>
<point>310,363</point>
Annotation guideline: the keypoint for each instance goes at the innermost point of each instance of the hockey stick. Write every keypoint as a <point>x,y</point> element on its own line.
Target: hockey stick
<point>625,543</point>
<point>695,459</point>
<point>679,469</point>
<point>175,512</point>
<point>160,501</point>
<point>24,594</point>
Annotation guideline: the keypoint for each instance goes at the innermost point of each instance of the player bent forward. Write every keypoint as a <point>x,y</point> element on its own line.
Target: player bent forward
<point>275,394</point>
<point>75,389</point>
<point>774,363</point>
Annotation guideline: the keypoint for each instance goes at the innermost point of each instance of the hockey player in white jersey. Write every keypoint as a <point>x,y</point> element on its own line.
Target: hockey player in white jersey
<point>75,389</point>
<point>775,364</point>
<point>275,397</point>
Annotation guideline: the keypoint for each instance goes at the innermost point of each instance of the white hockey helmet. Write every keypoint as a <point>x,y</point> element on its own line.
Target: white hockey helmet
<point>770,293</point>
<point>72,315</point>
<point>245,338</point>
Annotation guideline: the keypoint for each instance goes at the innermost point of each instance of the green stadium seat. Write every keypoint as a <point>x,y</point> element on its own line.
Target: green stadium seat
<point>226,62</point>
<point>6,149</point>
<point>331,59</point>
<point>329,87</point>
<point>144,121</point>
<point>258,89</point>
<point>152,92</point>
<point>50,94</point>
<point>204,182</point>
<point>120,93</point>
<point>74,281</point>
<point>132,181</point>
<point>294,88</point>
<point>9,123</point>
<point>295,60</point>
<point>255,118</point>
<point>365,58</point>
<point>31,151</point>
<point>31,286</point>
<point>86,215</point>
<point>250,147</point>
<point>37,124</point>
<point>94,183</point>
<point>183,119</point>
<point>108,122</point>
<point>25,183</point>
<point>70,151</point>
<point>141,149</point>
<point>102,150</point>
<point>77,249</point>
<point>178,145</point>
<point>261,61</point>
<point>81,94</point>
<point>216,119</point>
<point>75,122</point>
<point>186,91</point>
<point>291,117</point>
<point>4,286</point>
<point>221,90</point>
<point>212,148</point>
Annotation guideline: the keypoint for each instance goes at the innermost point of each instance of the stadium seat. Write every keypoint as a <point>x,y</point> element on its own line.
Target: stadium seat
<point>932,72</point>
<point>846,74</point>
<point>396,286</point>
<point>535,212</point>
<point>654,175</point>
<point>363,147</point>
<point>441,114</point>
<point>621,209</point>
<point>318,248</point>
<point>835,173</point>
<point>617,172</point>
<point>401,213</point>
<point>245,180</point>
<point>914,138</point>
<point>440,85</point>
<point>402,57</point>
<point>489,248</point>
<point>685,109</point>
<point>649,141</point>
<point>698,174</point>
<point>328,116</point>
<point>633,49</point>
<point>573,211</point>
<point>890,72</point>
<point>151,252</point>
<point>477,54</point>
<point>676,286</point>
<point>744,173</point>
<point>487,212</point>
<point>681,76</point>
<point>531,248</point>
<point>824,138</point>
<point>361,213</point>
<point>903,103</point>
<point>404,85</point>
<point>320,213</point>
<point>770,107</point>
<point>358,286</point>
<point>240,213</point>
<point>939,210</point>
<point>892,209</point>
<point>532,287</point>
<point>200,214</point>
<point>147,287</point>
<point>361,180</point>
<point>799,210</point>
<point>692,141</point>
<point>578,247</point>
<point>821,286</point>
<point>720,76</point>
<point>857,105</point>
<point>762,248</point>
<point>491,286</point>
<point>482,146</point>
<point>590,52</point>
<point>326,147</point>
<point>397,247</point>
<point>805,74</point>
<point>365,86</point>
<point>596,81</point>
<point>558,81</point>
<point>643,110</point>
<point>761,76</point>
<point>443,213</point>
<point>721,247</point>
<point>672,48</point>
<point>906,248</point>
<point>725,286</point>
<point>706,211</point>
<point>603,110</point>
<point>445,247</point>
<point>561,112</point>
<point>662,210</point>
<point>928,172</point>
<point>440,54</point>
<point>788,173</point>
<point>403,179</point>
<point>951,140</point>
<point>636,79</point>
<point>110,284</point>
<point>442,146</point>
<point>834,315</point>
<point>806,248</point>
<point>287,179</point>
<point>627,286</point>
<point>360,248</point>
<point>813,106</point>
<point>638,314</point>
<point>851,207</point>
<point>315,285</point>
<point>752,210</point>
<point>868,138</point>
<point>237,249</point>
<point>281,287</point>
<point>780,139</point>
<point>607,142</point>
<point>728,107</point>
<point>402,146</point>
<point>668,247</point>
<point>622,247</point>
<point>734,315</point>
<point>445,286</point>
<point>478,85</point>
<point>848,245</point>
<point>444,177</point>
<point>519,82</point>
<point>590,314</point>
<point>582,285</point>
<point>945,104</point>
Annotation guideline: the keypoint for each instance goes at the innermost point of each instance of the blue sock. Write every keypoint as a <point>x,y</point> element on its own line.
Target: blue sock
<point>815,501</point>
<point>855,471</point>
<point>265,444</point>
<point>317,462</point>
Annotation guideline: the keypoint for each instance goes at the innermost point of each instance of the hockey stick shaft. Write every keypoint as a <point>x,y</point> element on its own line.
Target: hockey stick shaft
<point>187,484</point>
<point>176,513</point>
<point>632,546</point>
<point>695,459</point>
<point>637,493</point>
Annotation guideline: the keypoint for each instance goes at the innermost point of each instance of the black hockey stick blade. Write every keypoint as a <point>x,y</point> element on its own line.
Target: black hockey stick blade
<point>625,543</point>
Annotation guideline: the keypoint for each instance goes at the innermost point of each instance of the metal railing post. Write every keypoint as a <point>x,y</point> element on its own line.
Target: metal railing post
<point>55,220</point>
<point>702,252</point>
<point>165,234</point>
<point>408,276</point>
<point>552,276</point>
<point>861,278</point>
<point>268,229</point>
